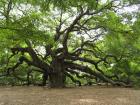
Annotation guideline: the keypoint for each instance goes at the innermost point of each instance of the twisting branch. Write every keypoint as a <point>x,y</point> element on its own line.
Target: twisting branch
<point>7,11</point>
<point>84,75</point>
<point>58,32</point>
<point>86,60</point>
<point>12,69</point>
<point>99,75</point>
<point>72,78</point>
<point>36,61</point>
<point>71,27</point>
<point>109,56</point>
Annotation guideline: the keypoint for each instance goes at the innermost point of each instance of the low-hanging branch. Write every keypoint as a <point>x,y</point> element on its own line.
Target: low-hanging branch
<point>12,69</point>
<point>84,75</point>
<point>72,78</point>
<point>36,61</point>
<point>99,75</point>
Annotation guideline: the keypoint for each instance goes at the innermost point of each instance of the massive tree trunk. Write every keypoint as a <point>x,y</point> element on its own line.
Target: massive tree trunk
<point>57,77</point>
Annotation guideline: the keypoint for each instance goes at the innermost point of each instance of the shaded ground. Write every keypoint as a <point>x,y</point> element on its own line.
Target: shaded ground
<point>69,96</point>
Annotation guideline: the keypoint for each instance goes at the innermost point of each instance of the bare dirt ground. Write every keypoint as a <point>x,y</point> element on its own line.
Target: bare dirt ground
<point>69,96</point>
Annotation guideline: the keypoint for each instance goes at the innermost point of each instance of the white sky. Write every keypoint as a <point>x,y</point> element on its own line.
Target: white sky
<point>130,9</point>
<point>125,9</point>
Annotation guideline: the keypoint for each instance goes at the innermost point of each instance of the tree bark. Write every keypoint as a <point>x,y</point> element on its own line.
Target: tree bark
<point>57,77</point>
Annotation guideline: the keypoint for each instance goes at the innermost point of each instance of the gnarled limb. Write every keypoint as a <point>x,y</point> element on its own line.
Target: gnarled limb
<point>12,69</point>
<point>36,61</point>
<point>99,75</point>
<point>84,75</point>
<point>73,79</point>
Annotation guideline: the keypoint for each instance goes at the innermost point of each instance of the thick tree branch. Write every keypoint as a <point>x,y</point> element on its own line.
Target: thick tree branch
<point>73,79</point>
<point>70,28</point>
<point>82,76</point>
<point>36,61</point>
<point>86,69</point>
